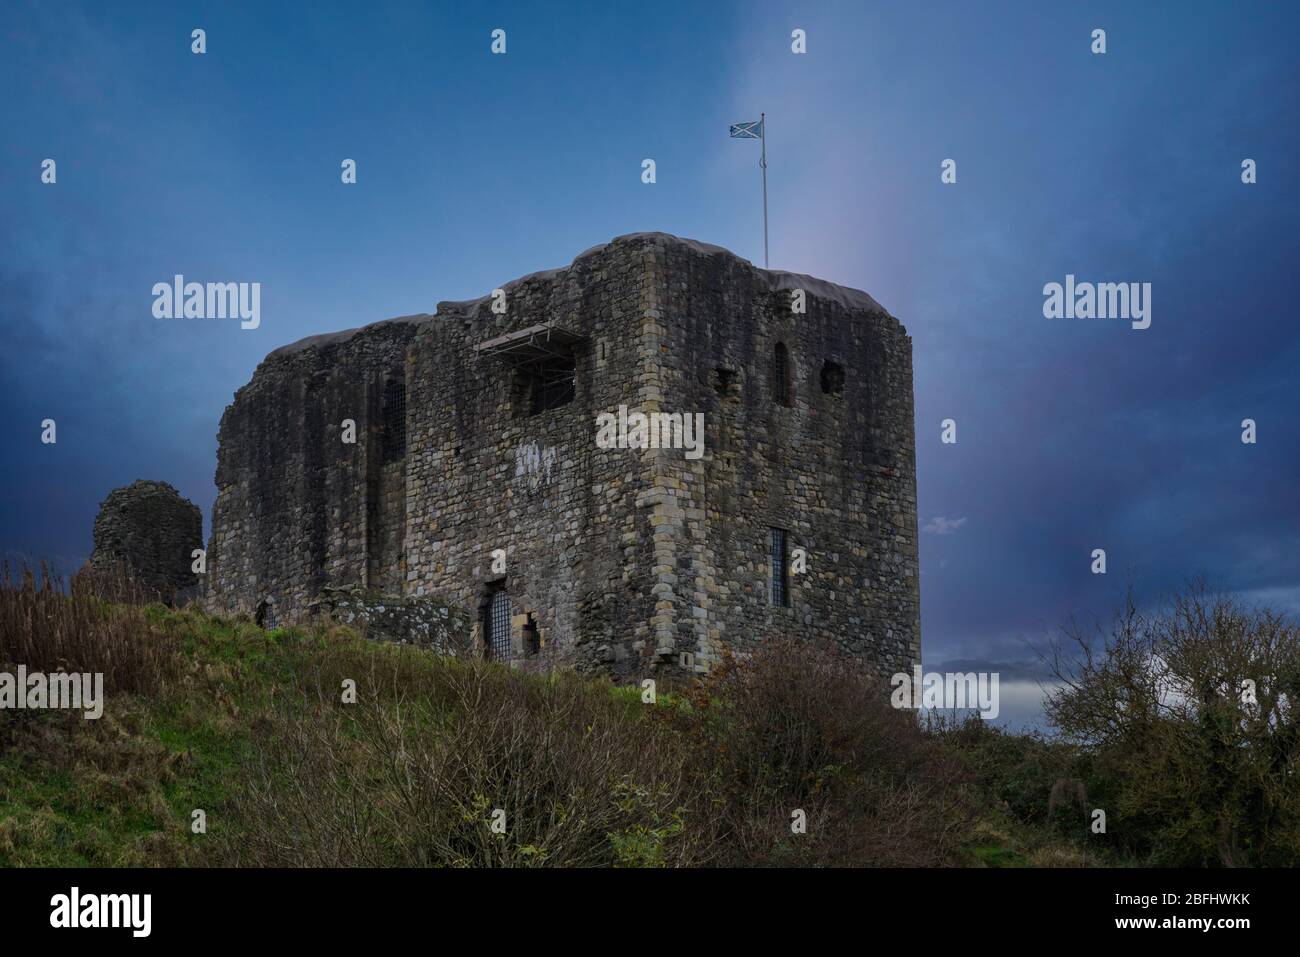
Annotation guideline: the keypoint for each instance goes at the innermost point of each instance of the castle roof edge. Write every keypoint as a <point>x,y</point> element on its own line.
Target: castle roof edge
<point>776,279</point>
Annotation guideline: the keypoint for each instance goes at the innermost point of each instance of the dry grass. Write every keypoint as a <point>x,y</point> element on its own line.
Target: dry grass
<point>51,628</point>
<point>415,771</point>
<point>251,726</point>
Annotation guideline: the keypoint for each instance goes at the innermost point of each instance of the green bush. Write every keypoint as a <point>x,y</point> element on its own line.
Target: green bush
<point>1189,717</point>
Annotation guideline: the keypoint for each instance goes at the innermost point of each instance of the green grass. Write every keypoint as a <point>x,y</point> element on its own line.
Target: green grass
<point>120,791</point>
<point>632,695</point>
<point>996,855</point>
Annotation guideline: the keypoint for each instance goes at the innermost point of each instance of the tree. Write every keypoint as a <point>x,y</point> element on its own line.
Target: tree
<point>1190,715</point>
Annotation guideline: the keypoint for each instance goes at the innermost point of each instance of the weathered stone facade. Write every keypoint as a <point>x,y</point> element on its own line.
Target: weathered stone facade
<point>297,509</point>
<point>441,628</point>
<point>151,532</point>
<point>476,436</point>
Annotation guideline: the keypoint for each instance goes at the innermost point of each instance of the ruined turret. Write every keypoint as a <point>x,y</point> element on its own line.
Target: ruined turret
<point>149,532</point>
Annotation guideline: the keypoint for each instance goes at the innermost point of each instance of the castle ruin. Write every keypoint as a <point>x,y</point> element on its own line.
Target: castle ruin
<point>474,479</point>
<point>147,532</point>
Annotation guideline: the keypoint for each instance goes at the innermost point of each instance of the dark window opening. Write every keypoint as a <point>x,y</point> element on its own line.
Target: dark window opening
<point>780,571</point>
<point>532,637</point>
<point>394,419</point>
<point>782,390</point>
<point>833,378</point>
<point>546,384</point>
<point>724,381</point>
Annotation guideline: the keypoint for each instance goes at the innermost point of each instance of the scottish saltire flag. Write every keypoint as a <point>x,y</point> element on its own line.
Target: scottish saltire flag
<point>748,131</point>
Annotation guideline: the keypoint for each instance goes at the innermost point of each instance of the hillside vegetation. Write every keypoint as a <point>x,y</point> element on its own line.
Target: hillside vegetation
<point>442,762</point>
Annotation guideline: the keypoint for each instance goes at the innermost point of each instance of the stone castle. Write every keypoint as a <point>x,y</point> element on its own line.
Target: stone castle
<point>444,469</point>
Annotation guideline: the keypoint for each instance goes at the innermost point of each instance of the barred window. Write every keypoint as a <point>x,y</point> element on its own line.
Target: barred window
<point>496,626</point>
<point>781,386</point>
<point>780,570</point>
<point>394,419</point>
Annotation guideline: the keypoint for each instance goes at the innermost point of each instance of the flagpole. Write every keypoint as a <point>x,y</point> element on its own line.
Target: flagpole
<point>762,128</point>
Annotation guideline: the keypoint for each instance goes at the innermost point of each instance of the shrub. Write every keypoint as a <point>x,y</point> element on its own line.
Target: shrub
<point>797,726</point>
<point>434,749</point>
<point>1028,775</point>
<point>414,771</point>
<point>1189,716</point>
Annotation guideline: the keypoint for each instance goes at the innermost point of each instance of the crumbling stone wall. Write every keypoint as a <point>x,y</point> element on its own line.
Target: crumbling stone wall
<point>297,507</point>
<point>426,622</point>
<point>148,529</point>
<point>621,560</point>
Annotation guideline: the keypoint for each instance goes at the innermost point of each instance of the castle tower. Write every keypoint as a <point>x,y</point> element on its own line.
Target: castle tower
<point>477,477</point>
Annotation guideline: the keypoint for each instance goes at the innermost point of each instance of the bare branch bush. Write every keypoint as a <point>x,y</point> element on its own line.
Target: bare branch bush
<point>1189,714</point>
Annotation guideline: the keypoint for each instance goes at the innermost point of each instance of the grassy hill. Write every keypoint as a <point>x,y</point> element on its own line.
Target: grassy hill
<point>315,747</point>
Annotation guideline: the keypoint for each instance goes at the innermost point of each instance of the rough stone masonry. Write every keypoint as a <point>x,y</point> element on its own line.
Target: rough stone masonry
<point>149,531</point>
<point>475,480</point>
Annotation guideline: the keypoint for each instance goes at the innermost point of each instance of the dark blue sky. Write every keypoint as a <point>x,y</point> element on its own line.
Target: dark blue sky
<point>475,169</point>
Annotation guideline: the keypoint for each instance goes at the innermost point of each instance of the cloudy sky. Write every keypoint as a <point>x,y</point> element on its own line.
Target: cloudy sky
<point>474,169</point>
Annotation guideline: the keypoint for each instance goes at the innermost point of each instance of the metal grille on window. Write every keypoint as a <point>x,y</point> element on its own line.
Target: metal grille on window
<point>394,419</point>
<point>498,627</point>
<point>781,375</point>
<point>780,584</point>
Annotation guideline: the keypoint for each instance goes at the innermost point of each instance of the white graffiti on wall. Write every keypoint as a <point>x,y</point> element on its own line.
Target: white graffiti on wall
<point>535,463</point>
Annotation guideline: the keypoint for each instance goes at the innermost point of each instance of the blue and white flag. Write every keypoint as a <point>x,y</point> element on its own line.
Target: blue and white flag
<point>748,131</point>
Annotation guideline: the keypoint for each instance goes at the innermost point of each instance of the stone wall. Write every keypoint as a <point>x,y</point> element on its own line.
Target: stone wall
<point>638,560</point>
<point>426,622</point>
<point>148,528</point>
<point>835,469</point>
<point>626,561</point>
<point>484,475</point>
<point>297,508</point>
